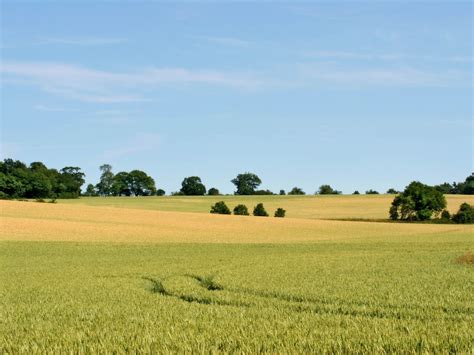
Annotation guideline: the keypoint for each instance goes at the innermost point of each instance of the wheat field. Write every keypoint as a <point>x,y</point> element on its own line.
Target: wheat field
<point>309,206</point>
<point>84,276</point>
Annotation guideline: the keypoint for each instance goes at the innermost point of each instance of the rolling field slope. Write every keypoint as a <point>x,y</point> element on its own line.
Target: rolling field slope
<point>314,207</point>
<point>82,278</point>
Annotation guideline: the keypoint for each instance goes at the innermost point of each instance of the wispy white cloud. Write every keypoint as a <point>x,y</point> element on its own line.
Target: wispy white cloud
<point>41,107</point>
<point>91,85</point>
<point>225,41</point>
<point>108,87</point>
<point>347,55</point>
<point>404,76</point>
<point>80,41</point>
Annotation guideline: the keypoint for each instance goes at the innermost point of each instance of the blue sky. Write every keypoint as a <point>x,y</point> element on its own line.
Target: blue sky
<point>355,94</point>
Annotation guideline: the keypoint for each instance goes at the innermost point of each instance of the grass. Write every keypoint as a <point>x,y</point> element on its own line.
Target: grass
<point>80,278</point>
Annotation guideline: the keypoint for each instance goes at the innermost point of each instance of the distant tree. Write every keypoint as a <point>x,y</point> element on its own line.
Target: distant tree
<point>246,183</point>
<point>280,212</point>
<point>260,211</point>
<point>417,202</point>
<point>445,188</point>
<point>371,192</point>
<point>105,185</point>
<point>192,186</point>
<point>263,192</point>
<point>160,192</point>
<point>296,191</point>
<point>140,184</point>
<point>468,188</point>
<point>220,208</point>
<point>356,192</point>
<point>90,190</point>
<point>327,190</point>
<point>177,193</point>
<point>241,210</point>
<point>282,192</point>
<point>213,192</point>
<point>37,181</point>
<point>120,186</point>
<point>71,179</point>
<point>38,184</point>
<point>11,186</point>
<point>465,214</point>
<point>392,191</point>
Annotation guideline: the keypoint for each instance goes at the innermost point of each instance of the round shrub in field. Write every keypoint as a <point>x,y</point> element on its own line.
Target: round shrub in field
<point>280,212</point>
<point>465,214</point>
<point>241,210</point>
<point>259,211</point>
<point>220,208</point>
<point>445,215</point>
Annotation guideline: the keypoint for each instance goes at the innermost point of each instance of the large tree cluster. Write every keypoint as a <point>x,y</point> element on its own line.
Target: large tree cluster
<point>17,180</point>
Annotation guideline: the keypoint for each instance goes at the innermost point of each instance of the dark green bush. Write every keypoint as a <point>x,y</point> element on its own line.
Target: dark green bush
<point>220,208</point>
<point>280,212</point>
<point>241,210</point>
<point>213,192</point>
<point>260,211</point>
<point>465,214</point>
<point>445,215</point>
<point>296,191</point>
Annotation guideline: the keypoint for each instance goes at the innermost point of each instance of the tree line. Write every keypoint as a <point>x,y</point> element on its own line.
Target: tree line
<point>17,180</point>
<point>420,202</point>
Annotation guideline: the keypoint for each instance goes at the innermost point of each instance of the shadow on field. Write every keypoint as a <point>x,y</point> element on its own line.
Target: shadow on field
<point>206,282</point>
<point>295,303</point>
<point>466,259</point>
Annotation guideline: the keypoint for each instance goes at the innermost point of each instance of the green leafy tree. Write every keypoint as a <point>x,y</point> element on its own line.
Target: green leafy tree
<point>465,214</point>
<point>246,183</point>
<point>160,192</point>
<point>356,192</point>
<point>213,192</point>
<point>140,184</point>
<point>445,188</point>
<point>392,191</point>
<point>241,210</point>
<point>282,192</point>
<point>371,192</point>
<point>105,185</point>
<point>417,202</point>
<point>296,191</point>
<point>260,211</point>
<point>192,186</point>
<point>327,190</point>
<point>120,186</point>
<point>280,213</point>
<point>468,188</point>
<point>220,208</point>
<point>38,185</point>
<point>11,186</point>
<point>90,190</point>
<point>71,179</point>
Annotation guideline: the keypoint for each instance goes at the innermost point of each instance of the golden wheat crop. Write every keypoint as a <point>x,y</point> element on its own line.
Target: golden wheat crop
<point>314,207</point>
<point>60,222</point>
